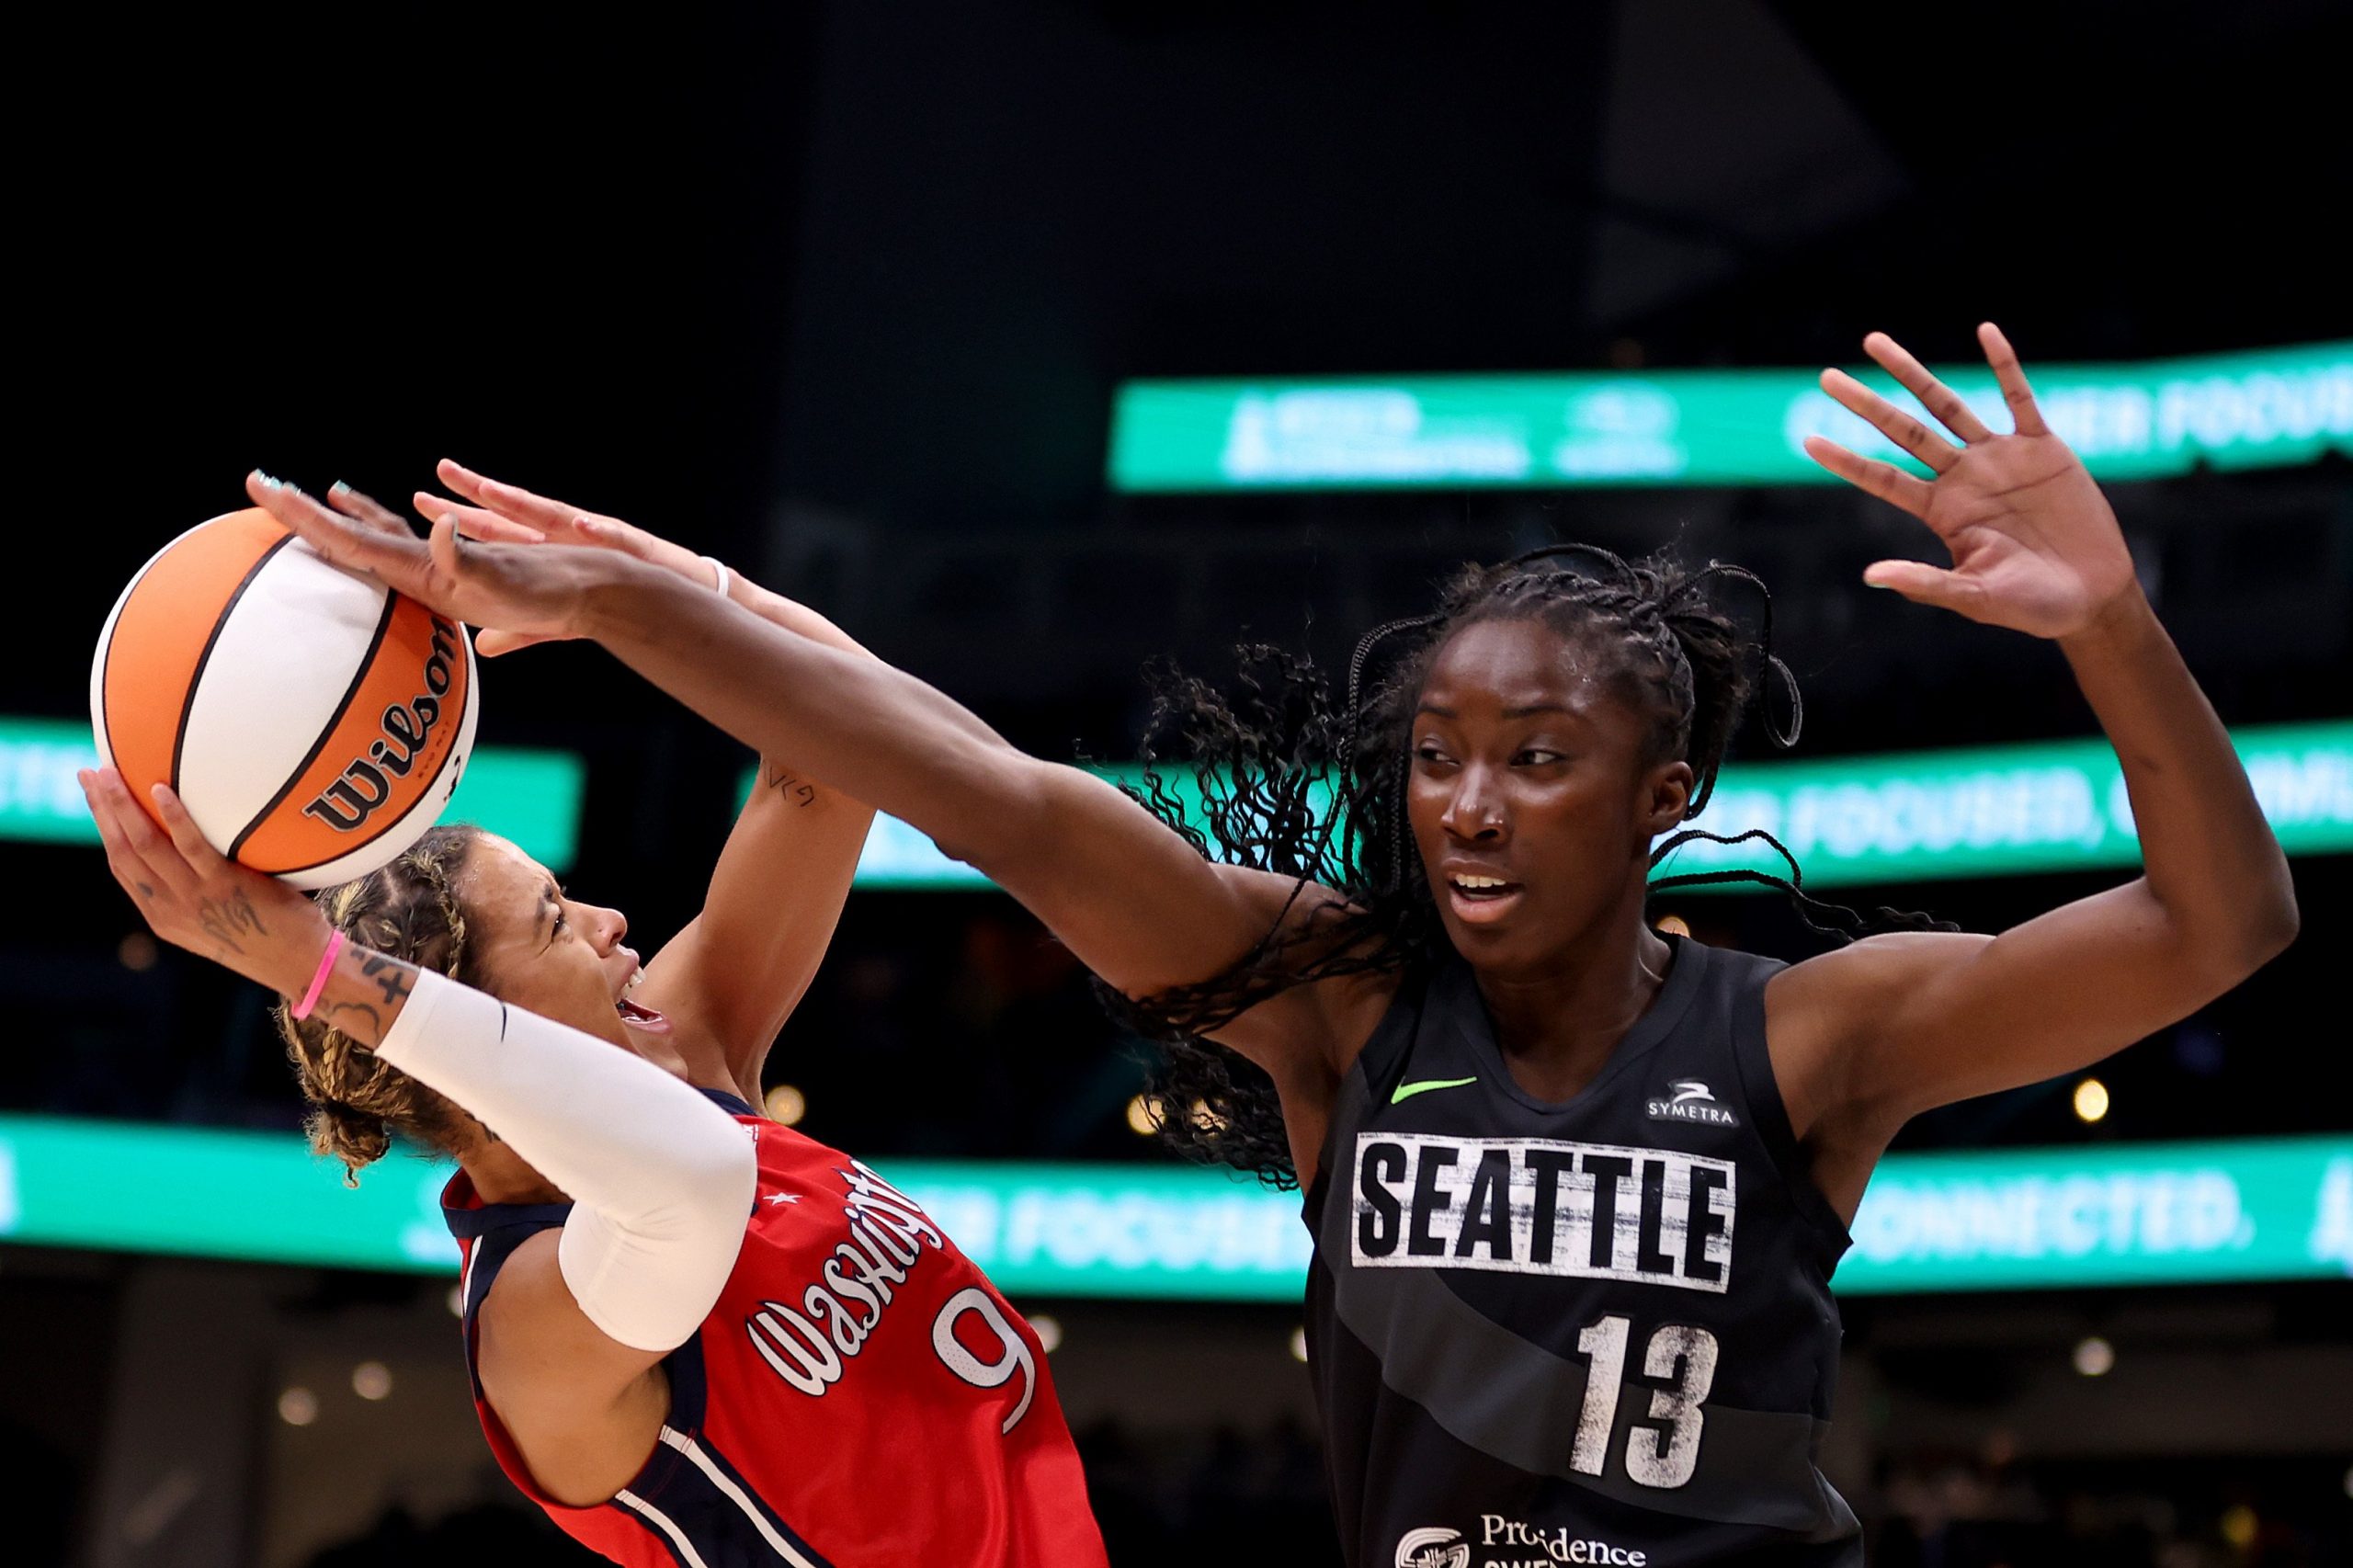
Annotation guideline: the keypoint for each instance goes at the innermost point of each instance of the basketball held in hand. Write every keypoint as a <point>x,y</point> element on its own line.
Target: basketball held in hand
<point>314,724</point>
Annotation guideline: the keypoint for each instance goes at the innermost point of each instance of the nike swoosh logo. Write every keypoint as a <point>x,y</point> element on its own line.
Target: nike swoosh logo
<point>1407,1091</point>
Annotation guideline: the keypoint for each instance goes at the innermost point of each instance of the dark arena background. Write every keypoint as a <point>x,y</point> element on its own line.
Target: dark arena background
<point>1033,341</point>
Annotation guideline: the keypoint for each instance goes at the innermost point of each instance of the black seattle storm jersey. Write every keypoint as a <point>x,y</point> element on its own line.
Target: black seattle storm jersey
<point>1597,1332</point>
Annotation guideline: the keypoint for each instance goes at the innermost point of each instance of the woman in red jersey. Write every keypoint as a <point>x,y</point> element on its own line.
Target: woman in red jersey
<point>696,1337</point>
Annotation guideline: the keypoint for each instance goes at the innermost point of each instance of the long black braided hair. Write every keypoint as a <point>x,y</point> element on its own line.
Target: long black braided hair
<point>1286,782</point>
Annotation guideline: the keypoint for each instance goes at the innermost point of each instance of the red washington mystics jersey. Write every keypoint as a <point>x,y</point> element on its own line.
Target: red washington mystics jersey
<point>860,1397</point>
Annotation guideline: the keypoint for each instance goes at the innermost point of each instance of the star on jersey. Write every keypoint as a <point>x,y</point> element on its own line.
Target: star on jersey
<point>780,1197</point>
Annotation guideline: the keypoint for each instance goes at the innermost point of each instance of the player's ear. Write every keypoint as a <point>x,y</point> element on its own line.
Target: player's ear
<point>1667,795</point>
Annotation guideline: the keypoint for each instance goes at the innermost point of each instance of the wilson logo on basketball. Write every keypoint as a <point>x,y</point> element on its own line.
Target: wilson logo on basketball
<point>347,802</point>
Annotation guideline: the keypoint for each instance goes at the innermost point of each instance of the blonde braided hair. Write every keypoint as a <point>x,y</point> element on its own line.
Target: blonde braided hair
<point>406,910</point>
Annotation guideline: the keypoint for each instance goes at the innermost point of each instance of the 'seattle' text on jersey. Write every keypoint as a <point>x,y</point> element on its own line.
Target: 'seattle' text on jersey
<point>1543,1206</point>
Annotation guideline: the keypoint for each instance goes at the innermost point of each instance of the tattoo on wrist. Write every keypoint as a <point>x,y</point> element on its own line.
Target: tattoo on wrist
<point>393,978</point>
<point>330,1010</point>
<point>784,780</point>
<point>225,920</point>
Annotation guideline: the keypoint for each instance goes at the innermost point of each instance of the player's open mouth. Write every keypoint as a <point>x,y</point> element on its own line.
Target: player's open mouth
<point>636,1015</point>
<point>1478,900</point>
<point>639,1017</point>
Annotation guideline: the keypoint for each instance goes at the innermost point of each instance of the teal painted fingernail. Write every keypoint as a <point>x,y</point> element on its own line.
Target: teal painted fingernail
<point>338,488</point>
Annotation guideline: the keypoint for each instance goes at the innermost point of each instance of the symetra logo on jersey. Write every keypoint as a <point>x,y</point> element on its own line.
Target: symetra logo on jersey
<point>1687,1099</point>
<point>1543,1206</point>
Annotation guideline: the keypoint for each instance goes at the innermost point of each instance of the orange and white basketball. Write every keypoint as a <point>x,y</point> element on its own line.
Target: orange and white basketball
<point>314,724</point>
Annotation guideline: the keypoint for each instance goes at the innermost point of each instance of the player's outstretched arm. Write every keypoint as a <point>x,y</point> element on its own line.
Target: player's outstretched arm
<point>740,966</point>
<point>661,1178</point>
<point>1127,896</point>
<point>1897,1024</point>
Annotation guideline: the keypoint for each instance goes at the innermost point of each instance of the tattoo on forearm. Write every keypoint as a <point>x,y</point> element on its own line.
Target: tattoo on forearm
<point>144,890</point>
<point>393,978</point>
<point>227,919</point>
<point>331,1010</point>
<point>783,779</point>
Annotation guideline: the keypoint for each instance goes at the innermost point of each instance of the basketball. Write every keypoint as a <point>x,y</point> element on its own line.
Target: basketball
<point>314,724</point>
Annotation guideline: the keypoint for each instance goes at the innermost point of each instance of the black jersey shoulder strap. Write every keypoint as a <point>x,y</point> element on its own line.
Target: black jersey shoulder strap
<point>1389,1050</point>
<point>1378,1066</point>
<point>1742,979</point>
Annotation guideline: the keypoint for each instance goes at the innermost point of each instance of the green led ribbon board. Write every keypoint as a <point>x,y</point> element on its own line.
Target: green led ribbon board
<point>2266,409</point>
<point>2131,1214</point>
<point>2052,807</point>
<point>529,797</point>
<point>1914,816</point>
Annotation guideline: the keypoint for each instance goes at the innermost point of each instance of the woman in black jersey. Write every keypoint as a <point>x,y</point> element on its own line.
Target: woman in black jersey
<point>1578,1188</point>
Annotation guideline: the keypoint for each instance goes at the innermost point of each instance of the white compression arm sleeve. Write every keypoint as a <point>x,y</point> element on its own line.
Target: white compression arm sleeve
<point>662,1180</point>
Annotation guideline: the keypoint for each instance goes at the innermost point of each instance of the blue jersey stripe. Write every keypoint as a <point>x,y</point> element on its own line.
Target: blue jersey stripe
<point>710,1516</point>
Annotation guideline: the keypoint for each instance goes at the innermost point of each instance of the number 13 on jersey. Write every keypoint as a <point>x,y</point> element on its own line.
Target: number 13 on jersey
<point>1662,1449</point>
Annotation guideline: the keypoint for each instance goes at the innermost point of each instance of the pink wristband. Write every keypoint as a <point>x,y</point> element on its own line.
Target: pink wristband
<point>319,981</point>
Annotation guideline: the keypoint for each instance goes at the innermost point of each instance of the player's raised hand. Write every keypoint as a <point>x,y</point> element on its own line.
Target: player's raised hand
<point>508,514</point>
<point>538,591</point>
<point>194,897</point>
<point>2034,544</point>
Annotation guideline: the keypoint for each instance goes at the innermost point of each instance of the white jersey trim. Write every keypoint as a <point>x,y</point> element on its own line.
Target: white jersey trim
<point>637,1504</point>
<point>734,1494</point>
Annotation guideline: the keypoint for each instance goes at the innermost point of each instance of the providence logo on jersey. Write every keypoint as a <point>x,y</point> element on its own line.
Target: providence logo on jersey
<point>1509,1543</point>
<point>1687,1099</point>
<point>1433,1548</point>
<point>1543,1206</point>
